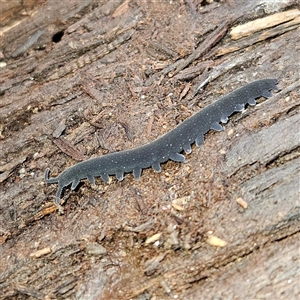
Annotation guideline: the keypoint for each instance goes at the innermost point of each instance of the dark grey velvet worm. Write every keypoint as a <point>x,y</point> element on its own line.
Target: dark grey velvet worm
<point>169,146</point>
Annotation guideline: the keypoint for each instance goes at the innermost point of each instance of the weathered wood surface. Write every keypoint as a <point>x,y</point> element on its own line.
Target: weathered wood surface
<point>83,78</point>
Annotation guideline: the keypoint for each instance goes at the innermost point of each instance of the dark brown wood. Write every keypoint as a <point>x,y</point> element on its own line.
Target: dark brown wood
<point>82,78</point>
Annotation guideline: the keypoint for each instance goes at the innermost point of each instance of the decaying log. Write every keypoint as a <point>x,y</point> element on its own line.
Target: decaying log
<point>82,78</point>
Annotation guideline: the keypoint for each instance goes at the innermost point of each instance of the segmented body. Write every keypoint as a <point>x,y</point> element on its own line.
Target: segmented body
<point>169,146</point>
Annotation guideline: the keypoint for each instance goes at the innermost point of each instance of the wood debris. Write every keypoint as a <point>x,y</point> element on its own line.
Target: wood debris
<point>211,40</point>
<point>59,129</point>
<point>194,71</point>
<point>177,207</point>
<point>121,9</point>
<point>152,264</point>
<point>143,227</point>
<point>41,252</point>
<point>258,37</point>
<point>179,203</point>
<point>242,202</point>
<point>67,148</point>
<point>49,209</point>
<point>95,249</point>
<point>153,238</point>
<point>222,151</point>
<point>215,241</point>
<point>249,28</point>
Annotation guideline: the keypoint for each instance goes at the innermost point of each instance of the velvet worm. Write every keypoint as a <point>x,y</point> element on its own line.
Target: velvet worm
<point>169,146</point>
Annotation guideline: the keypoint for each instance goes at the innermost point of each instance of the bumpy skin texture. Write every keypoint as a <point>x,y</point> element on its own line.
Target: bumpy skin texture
<point>168,146</point>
